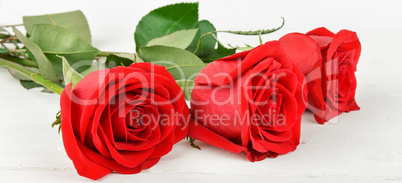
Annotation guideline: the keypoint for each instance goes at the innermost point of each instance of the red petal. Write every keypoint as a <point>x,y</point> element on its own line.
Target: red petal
<point>302,50</point>
<point>321,31</point>
<point>84,165</point>
<point>351,43</point>
<point>153,68</point>
<point>200,132</point>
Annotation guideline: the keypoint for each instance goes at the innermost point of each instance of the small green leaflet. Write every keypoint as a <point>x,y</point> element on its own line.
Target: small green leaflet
<point>70,75</point>
<point>165,20</point>
<point>57,122</point>
<point>186,86</point>
<point>55,40</point>
<point>73,21</point>
<point>179,39</point>
<point>180,63</point>
<point>45,66</point>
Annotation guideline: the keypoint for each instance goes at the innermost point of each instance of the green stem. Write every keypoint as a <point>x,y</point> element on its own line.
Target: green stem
<point>20,61</point>
<point>199,42</point>
<point>37,78</point>
<point>257,32</point>
<point>107,53</point>
<point>8,39</point>
<point>18,50</point>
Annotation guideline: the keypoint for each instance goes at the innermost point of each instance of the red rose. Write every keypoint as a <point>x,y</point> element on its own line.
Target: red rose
<point>251,101</point>
<point>122,119</point>
<point>330,78</point>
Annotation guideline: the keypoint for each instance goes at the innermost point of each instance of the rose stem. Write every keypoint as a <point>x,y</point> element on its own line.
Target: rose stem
<point>20,61</point>
<point>37,78</point>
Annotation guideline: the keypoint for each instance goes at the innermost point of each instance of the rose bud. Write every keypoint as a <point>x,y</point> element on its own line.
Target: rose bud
<point>249,102</point>
<point>122,119</point>
<point>330,77</point>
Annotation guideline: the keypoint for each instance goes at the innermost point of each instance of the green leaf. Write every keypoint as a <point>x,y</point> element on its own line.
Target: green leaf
<point>55,40</point>
<point>208,43</point>
<point>45,66</point>
<point>4,36</point>
<point>129,56</point>
<point>179,39</point>
<point>74,21</point>
<point>137,58</point>
<point>165,20</point>
<point>3,30</point>
<point>208,51</point>
<point>29,84</point>
<point>186,86</point>
<point>19,76</point>
<point>4,33</point>
<point>46,90</point>
<point>30,55</point>
<point>110,61</point>
<point>218,53</point>
<point>121,60</point>
<point>99,64</point>
<point>70,75</point>
<point>180,63</point>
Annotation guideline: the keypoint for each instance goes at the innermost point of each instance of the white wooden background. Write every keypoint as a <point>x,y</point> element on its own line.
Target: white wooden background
<point>362,146</point>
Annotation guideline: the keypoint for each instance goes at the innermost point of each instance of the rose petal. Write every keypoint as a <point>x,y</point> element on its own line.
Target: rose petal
<point>277,147</point>
<point>351,43</point>
<point>200,132</point>
<point>153,68</point>
<point>84,165</point>
<point>302,50</point>
<point>129,159</point>
<point>321,31</point>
